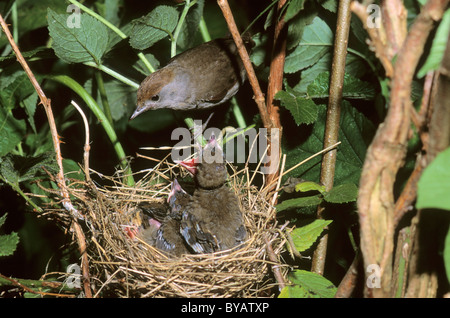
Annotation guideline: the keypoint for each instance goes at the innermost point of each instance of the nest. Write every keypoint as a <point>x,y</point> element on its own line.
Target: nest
<point>124,267</point>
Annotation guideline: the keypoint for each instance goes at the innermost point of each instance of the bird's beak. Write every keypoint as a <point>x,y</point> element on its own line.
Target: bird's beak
<point>189,165</point>
<point>139,110</point>
<point>176,187</point>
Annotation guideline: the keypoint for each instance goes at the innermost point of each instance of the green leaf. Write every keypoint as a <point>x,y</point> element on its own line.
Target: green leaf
<point>294,7</point>
<point>317,39</point>
<point>16,169</point>
<point>87,43</point>
<point>434,185</point>
<point>305,236</point>
<point>121,98</point>
<point>330,5</point>
<point>353,88</point>
<point>447,255</point>
<point>299,202</point>
<point>342,193</point>
<point>11,131</point>
<point>306,186</point>
<point>355,134</point>
<point>8,243</point>
<point>303,110</point>
<point>438,47</point>
<point>354,65</point>
<point>189,30</point>
<point>308,285</point>
<point>155,26</point>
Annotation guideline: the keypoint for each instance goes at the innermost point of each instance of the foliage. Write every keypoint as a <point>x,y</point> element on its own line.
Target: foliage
<point>101,62</point>
<point>8,242</point>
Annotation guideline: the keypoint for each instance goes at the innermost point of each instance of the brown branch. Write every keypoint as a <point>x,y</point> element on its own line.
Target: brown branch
<point>376,38</point>
<point>259,96</point>
<point>332,121</point>
<point>348,283</point>
<point>276,82</point>
<point>386,154</point>
<point>56,144</point>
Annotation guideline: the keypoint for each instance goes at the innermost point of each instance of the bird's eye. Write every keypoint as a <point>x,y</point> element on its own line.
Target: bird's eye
<point>155,98</point>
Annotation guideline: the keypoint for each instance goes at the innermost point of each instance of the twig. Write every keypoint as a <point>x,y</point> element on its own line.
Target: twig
<point>276,78</point>
<point>348,283</point>
<point>275,269</point>
<point>56,144</point>
<point>259,96</point>
<point>48,110</point>
<point>29,290</point>
<point>87,146</point>
<point>375,38</point>
<point>332,121</point>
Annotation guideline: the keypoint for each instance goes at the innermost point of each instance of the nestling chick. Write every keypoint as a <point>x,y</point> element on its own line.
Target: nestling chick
<point>212,220</point>
<point>164,233</point>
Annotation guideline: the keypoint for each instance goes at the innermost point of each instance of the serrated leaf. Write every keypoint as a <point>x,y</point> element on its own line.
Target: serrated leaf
<point>438,47</point>
<point>155,26</point>
<point>11,131</point>
<point>8,243</point>
<point>299,202</point>
<point>16,90</point>
<point>306,186</point>
<point>354,65</point>
<point>317,39</point>
<point>305,236</point>
<point>353,88</point>
<point>16,169</point>
<point>355,134</point>
<point>86,43</point>
<point>303,110</point>
<point>342,193</point>
<point>308,285</point>
<point>433,187</point>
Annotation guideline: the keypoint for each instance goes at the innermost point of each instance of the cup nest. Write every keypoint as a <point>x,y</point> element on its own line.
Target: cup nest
<point>120,266</point>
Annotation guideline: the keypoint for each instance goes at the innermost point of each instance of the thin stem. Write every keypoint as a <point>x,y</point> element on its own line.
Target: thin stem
<point>21,193</point>
<point>173,48</point>
<point>332,121</point>
<point>113,73</point>
<point>95,108</point>
<point>204,30</point>
<point>103,96</point>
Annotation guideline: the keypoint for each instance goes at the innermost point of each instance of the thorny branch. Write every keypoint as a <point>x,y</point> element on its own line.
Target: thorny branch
<point>56,144</point>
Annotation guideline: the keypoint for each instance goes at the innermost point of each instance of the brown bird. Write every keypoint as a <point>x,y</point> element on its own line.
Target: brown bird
<point>162,230</point>
<point>212,221</point>
<point>201,77</point>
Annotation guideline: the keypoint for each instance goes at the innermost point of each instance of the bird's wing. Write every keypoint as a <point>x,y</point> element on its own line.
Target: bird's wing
<point>196,236</point>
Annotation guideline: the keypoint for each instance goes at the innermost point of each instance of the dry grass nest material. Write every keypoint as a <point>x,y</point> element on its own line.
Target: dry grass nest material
<point>124,267</point>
